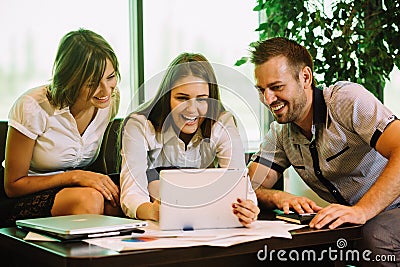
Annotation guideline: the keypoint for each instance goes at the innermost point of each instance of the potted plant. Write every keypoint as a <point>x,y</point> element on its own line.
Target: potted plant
<point>349,39</point>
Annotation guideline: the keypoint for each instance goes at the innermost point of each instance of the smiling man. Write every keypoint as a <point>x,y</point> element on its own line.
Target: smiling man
<point>341,140</point>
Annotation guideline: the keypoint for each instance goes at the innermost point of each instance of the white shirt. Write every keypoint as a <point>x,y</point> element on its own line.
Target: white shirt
<point>143,148</point>
<point>59,145</point>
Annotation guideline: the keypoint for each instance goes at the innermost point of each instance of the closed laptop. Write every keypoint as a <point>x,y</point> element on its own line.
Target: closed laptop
<point>81,226</point>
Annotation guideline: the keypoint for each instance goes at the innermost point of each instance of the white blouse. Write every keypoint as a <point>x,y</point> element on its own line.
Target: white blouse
<point>143,148</point>
<point>59,145</point>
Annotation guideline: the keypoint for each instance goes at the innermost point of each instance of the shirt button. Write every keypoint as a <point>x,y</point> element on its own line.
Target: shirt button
<point>334,191</point>
<point>318,172</point>
<point>312,146</point>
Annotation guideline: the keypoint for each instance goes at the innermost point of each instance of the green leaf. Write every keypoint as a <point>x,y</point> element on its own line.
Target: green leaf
<point>262,27</point>
<point>259,7</point>
<point>241,61</point>
<point>253,44</point>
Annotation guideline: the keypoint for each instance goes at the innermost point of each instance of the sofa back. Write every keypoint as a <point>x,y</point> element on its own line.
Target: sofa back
<point>3,137</point>
<point>108,160</point>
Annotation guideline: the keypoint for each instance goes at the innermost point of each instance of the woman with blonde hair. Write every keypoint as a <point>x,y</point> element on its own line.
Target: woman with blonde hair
<point>56,130</point>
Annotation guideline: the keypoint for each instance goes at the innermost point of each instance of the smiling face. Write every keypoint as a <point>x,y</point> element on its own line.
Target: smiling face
<point>189,103</point>
<point>102,95</point>
<point>288,98</point>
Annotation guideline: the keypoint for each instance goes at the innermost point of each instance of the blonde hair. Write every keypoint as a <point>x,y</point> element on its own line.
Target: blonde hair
<point>81,59</point>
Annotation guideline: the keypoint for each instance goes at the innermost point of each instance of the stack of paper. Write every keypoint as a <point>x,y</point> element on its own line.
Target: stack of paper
<point>154,238</point>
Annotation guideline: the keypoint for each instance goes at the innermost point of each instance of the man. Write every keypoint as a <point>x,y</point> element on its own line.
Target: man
<point>341,141</point>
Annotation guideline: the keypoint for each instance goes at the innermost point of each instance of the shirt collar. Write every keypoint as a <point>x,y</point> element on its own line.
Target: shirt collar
<point>61,111</point>
<point>319,106</point>
<point>170,134</point>
<point>319,116</point>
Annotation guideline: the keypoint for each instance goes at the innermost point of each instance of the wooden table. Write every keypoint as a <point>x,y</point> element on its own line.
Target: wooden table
<point>78,253</point>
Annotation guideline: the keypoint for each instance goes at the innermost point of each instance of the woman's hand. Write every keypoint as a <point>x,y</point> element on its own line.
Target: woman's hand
<point>98,181</point>
<point>246,211</point>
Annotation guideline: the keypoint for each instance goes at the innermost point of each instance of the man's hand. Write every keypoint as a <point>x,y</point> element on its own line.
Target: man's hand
<point>287,201</point>
<point>336,214</point>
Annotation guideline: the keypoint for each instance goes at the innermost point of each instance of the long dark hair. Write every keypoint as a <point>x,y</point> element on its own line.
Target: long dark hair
<point>158,108</point>
<point>186,64</point>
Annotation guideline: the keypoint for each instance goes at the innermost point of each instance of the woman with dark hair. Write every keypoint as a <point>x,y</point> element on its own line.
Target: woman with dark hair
<point>184,126</point>
<point>56,130</point>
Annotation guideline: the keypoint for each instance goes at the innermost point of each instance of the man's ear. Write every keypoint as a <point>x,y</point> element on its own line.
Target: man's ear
<point>306,76</point>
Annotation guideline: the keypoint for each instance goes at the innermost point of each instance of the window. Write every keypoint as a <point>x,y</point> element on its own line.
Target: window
<point>391,92</point>
<point>31,33</point>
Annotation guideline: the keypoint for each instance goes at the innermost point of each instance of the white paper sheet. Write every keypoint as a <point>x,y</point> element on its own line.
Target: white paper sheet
<point>32,236</point>
<point>154,238</point>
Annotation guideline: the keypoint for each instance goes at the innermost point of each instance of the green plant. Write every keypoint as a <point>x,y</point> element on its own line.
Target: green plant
<point>357,40</point>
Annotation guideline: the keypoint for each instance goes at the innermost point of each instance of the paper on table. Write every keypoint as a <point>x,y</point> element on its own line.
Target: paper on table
<point>154,238</point>
<point>32,236</point>
<point>257,228</point>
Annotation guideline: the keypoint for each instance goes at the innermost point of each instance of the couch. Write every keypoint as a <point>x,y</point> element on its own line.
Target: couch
<point>3,137</point>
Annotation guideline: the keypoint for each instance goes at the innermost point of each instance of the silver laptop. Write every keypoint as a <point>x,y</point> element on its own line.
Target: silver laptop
<point>81,226</point>
<point>200,198</point>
